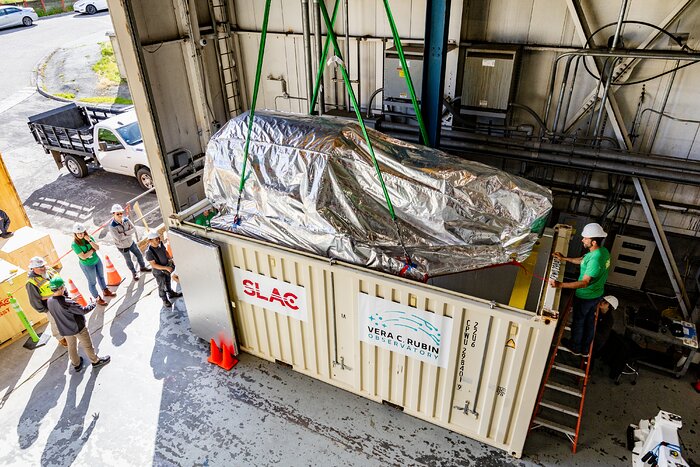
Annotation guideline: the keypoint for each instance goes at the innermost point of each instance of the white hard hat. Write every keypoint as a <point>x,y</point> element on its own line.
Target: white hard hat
<point>153,234</point>
<point>117,208</point>
<point>612,301</point>
<point>79,228</point>
<point>37,262</point>
<point>593,231</point>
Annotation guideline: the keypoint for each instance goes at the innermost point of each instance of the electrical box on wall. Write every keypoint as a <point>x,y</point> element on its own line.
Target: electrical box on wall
<point>489,79</point>
<point>395,89</point>
<point>397,97</point>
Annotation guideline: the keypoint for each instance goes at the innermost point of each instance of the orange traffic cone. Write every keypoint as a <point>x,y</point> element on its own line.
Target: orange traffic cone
<point>229,361</point>
<point>168,249</point>
<point>113,277</point>
<point>215,356</point>
<point>75,293</point>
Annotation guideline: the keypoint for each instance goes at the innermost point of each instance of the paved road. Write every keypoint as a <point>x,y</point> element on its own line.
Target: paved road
<point>22,48</point>
<point>53,198</point>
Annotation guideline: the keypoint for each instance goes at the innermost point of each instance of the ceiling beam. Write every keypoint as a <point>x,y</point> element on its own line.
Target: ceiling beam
<point>624,68</point>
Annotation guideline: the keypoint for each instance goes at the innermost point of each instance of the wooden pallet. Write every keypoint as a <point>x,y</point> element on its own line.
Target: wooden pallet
<point>23,333</point>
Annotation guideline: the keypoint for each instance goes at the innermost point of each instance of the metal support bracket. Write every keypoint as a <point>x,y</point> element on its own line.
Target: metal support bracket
<point>342,364</point>
<point>466,410</point>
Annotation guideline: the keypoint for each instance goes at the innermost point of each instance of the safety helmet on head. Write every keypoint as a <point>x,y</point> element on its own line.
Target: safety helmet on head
<point>117,208</point>
<point>56,283</point>
<point>593,231</point>
<point>153,234</point>
<point>612,301</point>
<point>79,228</point>
<point>37,262</point>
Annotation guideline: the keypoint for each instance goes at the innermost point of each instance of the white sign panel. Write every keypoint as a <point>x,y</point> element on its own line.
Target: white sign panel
<point>272,294</point>
<point>399,328</point>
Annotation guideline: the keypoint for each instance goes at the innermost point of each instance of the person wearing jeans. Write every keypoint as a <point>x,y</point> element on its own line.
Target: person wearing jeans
<point>589,287</point>
<point>70,318</point>
<point>86,248</point>
<point>122,231</point>
<point>163,267</point>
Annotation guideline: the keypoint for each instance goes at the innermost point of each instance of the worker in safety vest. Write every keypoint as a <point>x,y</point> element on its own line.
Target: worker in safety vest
<point>39,291</point>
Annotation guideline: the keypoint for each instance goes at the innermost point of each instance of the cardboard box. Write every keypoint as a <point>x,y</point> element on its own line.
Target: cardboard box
<point>26,243</point>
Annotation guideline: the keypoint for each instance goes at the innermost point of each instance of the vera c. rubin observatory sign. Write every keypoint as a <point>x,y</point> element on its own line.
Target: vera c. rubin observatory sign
<point>399,328</point>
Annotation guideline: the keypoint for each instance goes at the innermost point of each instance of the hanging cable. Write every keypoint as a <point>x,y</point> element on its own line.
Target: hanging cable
<point>406,72</point>
<point>322,61</point>
<point>338,59</point>
<point>673,37</point>
<point>251,115</point>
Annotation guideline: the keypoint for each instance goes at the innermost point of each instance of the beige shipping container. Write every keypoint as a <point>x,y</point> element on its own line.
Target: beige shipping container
<point>469,364</point>
<point>10,201</point>
<point>466,352</point>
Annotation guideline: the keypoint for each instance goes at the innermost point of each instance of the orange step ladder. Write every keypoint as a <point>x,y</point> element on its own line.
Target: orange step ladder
<point>563,392</point>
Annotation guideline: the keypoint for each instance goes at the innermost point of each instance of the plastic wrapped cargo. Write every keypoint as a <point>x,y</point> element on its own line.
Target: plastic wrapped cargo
<point>311,185</point>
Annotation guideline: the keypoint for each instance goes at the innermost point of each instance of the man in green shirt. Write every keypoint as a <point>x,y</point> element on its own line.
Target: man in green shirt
<point>589,287</point>
<point>206,217</point>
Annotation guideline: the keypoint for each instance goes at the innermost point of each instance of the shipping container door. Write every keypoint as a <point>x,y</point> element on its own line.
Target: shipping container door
<point>203,281</point>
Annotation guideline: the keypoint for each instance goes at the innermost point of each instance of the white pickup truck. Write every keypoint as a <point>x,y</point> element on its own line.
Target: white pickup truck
<point>76,137</point>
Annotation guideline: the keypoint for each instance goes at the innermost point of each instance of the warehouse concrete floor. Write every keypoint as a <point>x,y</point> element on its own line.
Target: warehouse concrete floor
<point>160,403</point>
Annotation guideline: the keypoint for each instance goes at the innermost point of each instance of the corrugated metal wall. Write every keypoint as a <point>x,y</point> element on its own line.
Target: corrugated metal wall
<point>532,23</point>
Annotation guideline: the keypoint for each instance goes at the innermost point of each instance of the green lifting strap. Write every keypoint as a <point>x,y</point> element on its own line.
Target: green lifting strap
<point>407,74</point>
<point>361,121</point>
<point>251,115</point>
<point>322,62</point>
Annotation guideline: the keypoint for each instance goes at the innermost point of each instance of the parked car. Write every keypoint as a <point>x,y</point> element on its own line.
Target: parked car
<point>76,137</point>
<point>90,6</point>
<point>16,16</point>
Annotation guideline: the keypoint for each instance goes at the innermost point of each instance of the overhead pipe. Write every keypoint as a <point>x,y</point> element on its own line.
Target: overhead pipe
<point>603,100</point>
<point>306,27</point>
<point>359,74</point>
<point>347,52</point>
<point>565,109</point>
<point>564,101</point>
<point>663,107</point>
<point>570,161</point>
<point>654,160</point>
<point>618,27</point>
<point>608,79</point>
<point>319,52</point>
<point>565,156</point>
<point>564,79</point>
<point>598,87</point>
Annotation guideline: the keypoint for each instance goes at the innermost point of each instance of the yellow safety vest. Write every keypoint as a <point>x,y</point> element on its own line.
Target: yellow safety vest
<point>43,285</point>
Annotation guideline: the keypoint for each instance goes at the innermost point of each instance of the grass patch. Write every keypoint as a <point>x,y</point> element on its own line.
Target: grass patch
<point>52,11</point>
<point>65,95</point>
<point>106,67</point>
<point>107,100</point>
